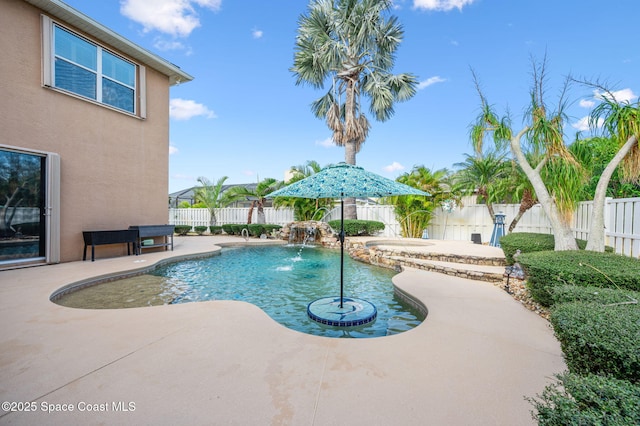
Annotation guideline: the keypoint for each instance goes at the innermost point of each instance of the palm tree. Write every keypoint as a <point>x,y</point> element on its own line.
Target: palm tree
<point>415,212</point>
<point>303,208</point>
<point>517,188</point>
<point>594,154</point>
<point>257,196</point>
<point>622,122</point>
<point>482,174</point>
<point>558,177</point>
<point>351,46</point>
<point>210,196</point>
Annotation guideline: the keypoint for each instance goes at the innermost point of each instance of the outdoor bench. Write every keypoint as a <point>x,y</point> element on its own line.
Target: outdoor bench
<point>150,231</point>
<point>97,238</point>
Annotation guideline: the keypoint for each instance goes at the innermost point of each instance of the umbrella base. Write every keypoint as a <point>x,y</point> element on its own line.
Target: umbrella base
<point>354,312</point>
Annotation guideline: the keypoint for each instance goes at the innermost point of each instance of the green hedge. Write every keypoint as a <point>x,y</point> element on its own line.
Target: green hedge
<point>200,229</point>
<point>599,339</point>
<point>528,242</point>
<point>573,293</point>
<point>237,228</point>
<point>548,269</point>
<point>355,228</point>
<point>182,229</point>
<point>215,230</point>
<point>269,228</point>
<point>255,229</point>
<point>588,400</point>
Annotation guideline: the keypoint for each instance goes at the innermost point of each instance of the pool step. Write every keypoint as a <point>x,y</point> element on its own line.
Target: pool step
<point>470,271</point>
<point>479,268</point>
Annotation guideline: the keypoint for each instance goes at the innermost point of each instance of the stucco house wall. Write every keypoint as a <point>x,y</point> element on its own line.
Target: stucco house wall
<point>113,165</point>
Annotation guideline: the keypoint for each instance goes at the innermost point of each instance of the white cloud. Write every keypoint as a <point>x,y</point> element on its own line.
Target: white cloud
<point>255,33</point>
<point>395,166</point>
<point>431,80</point>
<point>441,5</point>
<point>582,125</point>
<point>248,173</point>
<point>326,143</point>
<point>183,109</point>
<point>624,95</point>
<point>586,103</point>
<point>175,17</point>
<point>172,150</point>
<point>164,45</point>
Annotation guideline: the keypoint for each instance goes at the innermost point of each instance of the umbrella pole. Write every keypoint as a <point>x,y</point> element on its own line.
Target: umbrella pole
<point>341,250</point>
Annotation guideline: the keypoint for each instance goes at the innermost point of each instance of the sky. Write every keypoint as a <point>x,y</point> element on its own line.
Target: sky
<point>244,117</point>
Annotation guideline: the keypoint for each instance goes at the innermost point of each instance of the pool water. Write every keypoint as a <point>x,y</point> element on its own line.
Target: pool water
<point>281,280</point>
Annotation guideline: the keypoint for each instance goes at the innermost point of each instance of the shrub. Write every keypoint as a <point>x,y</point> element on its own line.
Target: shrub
<point>600,339</point>
<point>237,228</point>
<point>182,229</point>
<point>588,400</point>
<point>528,242</point>
<point>228,228</point>
<point>355,228</point>
<point>200,229</point>
<point>548,269</point>
<point>215,230</point>
<point>269,228</point>
<point>573,293</point>
<point>255,229</point>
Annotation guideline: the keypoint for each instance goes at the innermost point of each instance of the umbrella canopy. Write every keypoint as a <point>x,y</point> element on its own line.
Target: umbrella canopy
<point>345,180</point>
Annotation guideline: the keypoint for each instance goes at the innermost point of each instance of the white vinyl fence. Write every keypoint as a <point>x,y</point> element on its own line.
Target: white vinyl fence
<point>622,221</point>
<point>202,217</point>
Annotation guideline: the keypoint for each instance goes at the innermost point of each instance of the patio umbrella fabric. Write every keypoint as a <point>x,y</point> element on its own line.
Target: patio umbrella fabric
<point>345,180</point>
<point>340,181</point>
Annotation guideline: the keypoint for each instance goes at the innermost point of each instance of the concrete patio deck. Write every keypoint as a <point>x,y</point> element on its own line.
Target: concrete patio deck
<point>472,361</point>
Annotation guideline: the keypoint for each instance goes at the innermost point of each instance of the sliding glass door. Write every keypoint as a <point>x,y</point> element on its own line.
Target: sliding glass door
<point>22,206</point>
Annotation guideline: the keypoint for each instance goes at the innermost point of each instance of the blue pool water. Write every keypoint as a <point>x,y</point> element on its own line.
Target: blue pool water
<point>281,280</point>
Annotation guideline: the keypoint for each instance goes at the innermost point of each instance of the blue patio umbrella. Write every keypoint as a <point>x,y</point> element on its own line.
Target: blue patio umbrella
<point>344,181</point>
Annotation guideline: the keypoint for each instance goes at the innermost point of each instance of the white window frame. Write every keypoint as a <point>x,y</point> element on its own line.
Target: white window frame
<point>49,56</point>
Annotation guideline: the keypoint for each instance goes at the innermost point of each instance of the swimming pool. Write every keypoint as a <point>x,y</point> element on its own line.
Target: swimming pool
<point>281,280</point>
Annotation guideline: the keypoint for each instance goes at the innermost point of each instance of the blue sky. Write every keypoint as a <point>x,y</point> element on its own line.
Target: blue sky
<point>244,117</point>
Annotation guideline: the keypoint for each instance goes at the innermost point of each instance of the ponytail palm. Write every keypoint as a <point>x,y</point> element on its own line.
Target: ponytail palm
<point>621,121</point>
<point>349,46</point>
<point>557,177</point>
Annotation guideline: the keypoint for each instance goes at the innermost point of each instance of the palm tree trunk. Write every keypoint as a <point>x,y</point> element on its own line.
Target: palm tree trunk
<point>249,216</point>
<point>596,233</point>
<point>350,211</point>
<point>564,239</point>
<point>213,220</point>
<point>351,145</point>
<point>261,218</point>
<point>527,202</point>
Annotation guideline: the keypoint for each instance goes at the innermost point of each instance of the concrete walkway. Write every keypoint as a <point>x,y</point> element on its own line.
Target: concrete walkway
<point>472,361</point>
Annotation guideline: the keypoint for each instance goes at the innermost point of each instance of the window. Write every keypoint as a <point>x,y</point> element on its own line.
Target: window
<point>84,68</point>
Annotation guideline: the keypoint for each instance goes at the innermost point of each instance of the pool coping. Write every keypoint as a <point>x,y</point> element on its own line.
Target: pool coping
<point>472,361</point>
